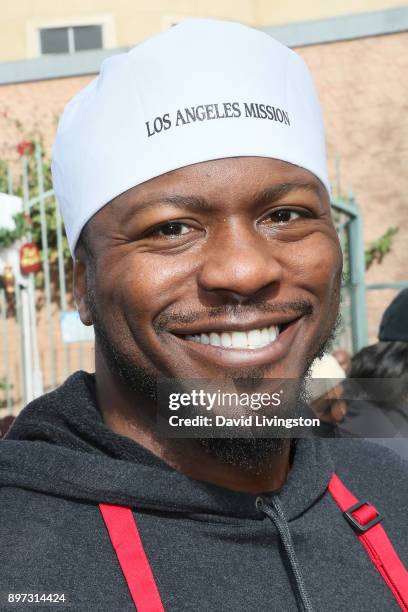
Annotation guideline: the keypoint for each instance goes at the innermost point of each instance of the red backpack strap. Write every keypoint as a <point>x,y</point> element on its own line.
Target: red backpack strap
<point>365,520</point>
<point>128,547</point>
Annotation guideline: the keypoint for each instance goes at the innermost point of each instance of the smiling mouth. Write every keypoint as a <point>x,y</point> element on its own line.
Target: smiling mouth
<point>243,347</point>
<point>252,339</point>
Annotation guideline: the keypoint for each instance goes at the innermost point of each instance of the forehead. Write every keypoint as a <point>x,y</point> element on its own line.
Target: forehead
<point>240,168</point>
<point>222,179</point>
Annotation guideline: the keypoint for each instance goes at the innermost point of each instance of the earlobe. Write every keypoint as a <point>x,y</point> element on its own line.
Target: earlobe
<point>81,291</point>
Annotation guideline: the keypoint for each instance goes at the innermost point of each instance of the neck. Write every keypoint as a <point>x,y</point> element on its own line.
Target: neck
<point>129,414</point>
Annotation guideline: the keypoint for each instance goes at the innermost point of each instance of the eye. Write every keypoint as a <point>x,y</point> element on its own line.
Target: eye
<point>171,229</point>
<point>284,215</point>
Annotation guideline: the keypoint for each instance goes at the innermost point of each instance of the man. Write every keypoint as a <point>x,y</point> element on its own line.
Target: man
<point>195,196</point>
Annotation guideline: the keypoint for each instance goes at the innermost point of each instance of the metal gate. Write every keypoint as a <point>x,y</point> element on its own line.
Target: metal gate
<point>353,333</point>
<point>38,321</point>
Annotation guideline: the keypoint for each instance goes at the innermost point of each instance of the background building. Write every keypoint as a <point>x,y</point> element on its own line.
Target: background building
<point>29,29</point>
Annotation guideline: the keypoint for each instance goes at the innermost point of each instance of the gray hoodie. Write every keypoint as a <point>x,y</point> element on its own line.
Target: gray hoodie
<point>210,549</point>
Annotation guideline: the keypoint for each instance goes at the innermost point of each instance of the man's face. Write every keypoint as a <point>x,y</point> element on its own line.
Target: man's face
<point>186,260</point>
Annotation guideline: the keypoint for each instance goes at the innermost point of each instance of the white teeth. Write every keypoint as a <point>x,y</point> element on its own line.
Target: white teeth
<point>215,339</point>
<point>239,339</point>
<point>253,339</point>
<point>226,340</point>
<point>265,336</point>
<point>273,332</point>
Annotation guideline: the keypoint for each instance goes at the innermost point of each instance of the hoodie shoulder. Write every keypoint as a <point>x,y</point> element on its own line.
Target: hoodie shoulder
<point>370,458</point>
<point>373,473</point>
<point>53,544</point>
<point>376,475</point>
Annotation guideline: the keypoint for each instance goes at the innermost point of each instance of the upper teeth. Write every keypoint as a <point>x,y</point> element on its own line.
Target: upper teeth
<point>253,339</point>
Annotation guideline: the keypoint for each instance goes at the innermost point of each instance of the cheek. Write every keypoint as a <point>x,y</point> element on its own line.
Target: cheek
<point>316,264</point>
<point>141,285</point>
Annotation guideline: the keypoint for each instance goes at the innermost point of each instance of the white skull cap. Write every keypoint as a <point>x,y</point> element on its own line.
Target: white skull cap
<point>200,91</point>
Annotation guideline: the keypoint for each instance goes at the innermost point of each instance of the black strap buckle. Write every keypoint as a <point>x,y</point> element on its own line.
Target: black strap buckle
<point>348,515</point>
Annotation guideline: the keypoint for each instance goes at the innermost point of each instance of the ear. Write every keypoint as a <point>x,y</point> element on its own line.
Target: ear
<point>81,290</point>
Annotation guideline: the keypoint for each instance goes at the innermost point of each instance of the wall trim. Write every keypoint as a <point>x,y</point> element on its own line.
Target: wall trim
<point>298,34</point>
<point>341,28</point>
<point>55,66</point>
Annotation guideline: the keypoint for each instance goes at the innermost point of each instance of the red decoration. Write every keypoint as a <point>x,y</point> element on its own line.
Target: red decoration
<point>30,258</point>
<point>25,146</point>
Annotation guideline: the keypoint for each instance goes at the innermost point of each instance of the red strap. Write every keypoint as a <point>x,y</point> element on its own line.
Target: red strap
<point>128,546</point>
<point>376,542</point>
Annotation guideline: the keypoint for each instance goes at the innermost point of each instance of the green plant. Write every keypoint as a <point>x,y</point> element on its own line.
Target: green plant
<point>374,252</point>
<point>377,249</point>
<point>4,385</point>
<point>3,176</point>
<point>5,388</point>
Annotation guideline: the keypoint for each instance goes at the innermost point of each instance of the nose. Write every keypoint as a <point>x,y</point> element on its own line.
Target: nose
<point>239,264</point>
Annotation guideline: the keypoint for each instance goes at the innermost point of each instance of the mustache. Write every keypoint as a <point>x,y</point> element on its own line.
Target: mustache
<point>298,307</point>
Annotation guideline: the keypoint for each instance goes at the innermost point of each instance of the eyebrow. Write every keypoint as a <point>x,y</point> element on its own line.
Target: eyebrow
<point>275,192</point>
<point>198,203</point>
<point>177,201</point>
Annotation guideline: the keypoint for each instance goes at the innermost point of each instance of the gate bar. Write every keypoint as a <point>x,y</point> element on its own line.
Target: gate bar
<point>3,308</point>
<point>46,266</point>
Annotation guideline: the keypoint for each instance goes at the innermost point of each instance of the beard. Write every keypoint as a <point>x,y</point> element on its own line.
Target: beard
<point>248,454</point>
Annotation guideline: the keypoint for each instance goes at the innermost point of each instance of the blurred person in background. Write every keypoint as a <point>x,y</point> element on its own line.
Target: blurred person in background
<point>344,359</point>
<point>326,390</point>
<point>5,424</point>
<point>379,414</point>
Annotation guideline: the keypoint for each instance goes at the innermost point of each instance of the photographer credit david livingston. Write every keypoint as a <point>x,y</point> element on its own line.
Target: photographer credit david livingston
<point>204,412</point>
